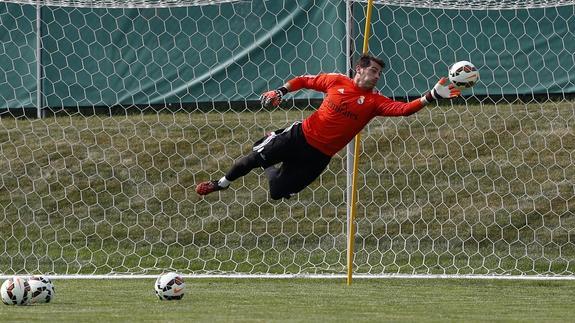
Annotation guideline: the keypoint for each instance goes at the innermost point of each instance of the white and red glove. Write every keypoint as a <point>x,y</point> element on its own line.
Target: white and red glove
<point>441,91</point>
<point>273,98</point>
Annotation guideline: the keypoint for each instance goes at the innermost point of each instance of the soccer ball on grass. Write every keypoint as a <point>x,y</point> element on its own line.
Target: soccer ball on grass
<point>170,286</point>
<point>15,291</point>
<point>42,289</point>
<point>463,74</point>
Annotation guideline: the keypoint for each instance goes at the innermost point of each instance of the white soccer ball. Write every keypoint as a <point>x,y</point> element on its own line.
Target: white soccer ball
<point>463,74</point>
<point>42,289</point>
<point>15,291</point>
<point>170,286</point>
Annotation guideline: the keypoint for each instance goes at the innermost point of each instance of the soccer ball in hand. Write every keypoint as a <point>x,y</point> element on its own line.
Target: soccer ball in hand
<point>169,286</point>
<point>42,289</point>
<point>463,74</point>
<point>15,291</point>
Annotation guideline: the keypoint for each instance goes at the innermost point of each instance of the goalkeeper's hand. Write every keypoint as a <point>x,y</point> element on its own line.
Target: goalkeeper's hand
<point>271,98</point>
<point>442,91</point>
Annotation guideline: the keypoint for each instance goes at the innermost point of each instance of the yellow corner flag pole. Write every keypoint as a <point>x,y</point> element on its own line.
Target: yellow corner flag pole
<point>351,235</point>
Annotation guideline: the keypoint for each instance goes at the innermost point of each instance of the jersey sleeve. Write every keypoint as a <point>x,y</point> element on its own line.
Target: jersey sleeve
<point>320,82</point>
<point>389,107</point>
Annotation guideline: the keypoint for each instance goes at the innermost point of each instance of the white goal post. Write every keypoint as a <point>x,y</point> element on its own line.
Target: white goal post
<point>111,112</point>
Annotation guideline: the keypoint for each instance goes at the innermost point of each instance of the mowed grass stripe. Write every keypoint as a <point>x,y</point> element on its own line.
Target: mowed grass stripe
<point>306,300</point>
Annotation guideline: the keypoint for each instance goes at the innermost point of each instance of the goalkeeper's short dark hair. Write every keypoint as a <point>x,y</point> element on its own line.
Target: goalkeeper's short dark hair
<point>366,59</point>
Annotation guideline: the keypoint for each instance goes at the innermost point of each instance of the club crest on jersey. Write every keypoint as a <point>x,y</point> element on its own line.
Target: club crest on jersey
<point>361,100</point>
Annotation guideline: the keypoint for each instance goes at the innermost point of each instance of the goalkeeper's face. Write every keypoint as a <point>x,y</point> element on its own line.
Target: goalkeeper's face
<point>367,77</point>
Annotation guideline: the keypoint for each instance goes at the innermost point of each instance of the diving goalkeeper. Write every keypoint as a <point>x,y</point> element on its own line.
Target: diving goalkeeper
<point>304,149</point>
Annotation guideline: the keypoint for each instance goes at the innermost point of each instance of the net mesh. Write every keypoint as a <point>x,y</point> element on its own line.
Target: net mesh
<point>140,105</point>
<point>123,4</point>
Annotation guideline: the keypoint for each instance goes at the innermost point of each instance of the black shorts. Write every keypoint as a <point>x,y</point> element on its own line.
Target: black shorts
<point>301,163</point>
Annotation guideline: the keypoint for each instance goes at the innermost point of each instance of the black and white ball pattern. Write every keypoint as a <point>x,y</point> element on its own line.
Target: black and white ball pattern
<point>15,291</point>
<point>170,286</point>
<point>42,289</point>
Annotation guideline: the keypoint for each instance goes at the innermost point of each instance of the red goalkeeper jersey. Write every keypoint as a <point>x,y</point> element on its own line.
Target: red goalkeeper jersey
<point>345,110</point>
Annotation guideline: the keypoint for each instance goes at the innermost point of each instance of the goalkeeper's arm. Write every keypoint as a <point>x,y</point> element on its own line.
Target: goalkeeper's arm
<point>273,98</point>
<point>441,91</point>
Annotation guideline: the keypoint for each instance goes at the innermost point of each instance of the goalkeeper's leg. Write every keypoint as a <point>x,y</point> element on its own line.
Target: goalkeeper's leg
<point>286,146</point>
<point>295,174</point>
<point>240,168</point>
<point>268,151</point>
<point>244,165</point>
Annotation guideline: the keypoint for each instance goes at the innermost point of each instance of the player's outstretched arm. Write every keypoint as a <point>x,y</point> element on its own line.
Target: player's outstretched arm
<point>441,91</point>
<point>320,82</point>
<point>273,98</point>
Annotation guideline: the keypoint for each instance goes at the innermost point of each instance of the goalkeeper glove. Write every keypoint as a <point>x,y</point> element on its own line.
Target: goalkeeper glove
<point>273,98</point>
<point>441,91</point>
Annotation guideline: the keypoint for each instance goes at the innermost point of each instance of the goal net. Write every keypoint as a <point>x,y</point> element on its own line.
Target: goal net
<point>112,111</point>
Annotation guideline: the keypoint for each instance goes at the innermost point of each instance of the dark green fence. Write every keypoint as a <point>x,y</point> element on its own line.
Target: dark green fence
<point>234,51</point>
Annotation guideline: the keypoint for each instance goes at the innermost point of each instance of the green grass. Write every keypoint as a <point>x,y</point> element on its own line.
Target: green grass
<point>306,300</point>
<point>453,189</point>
